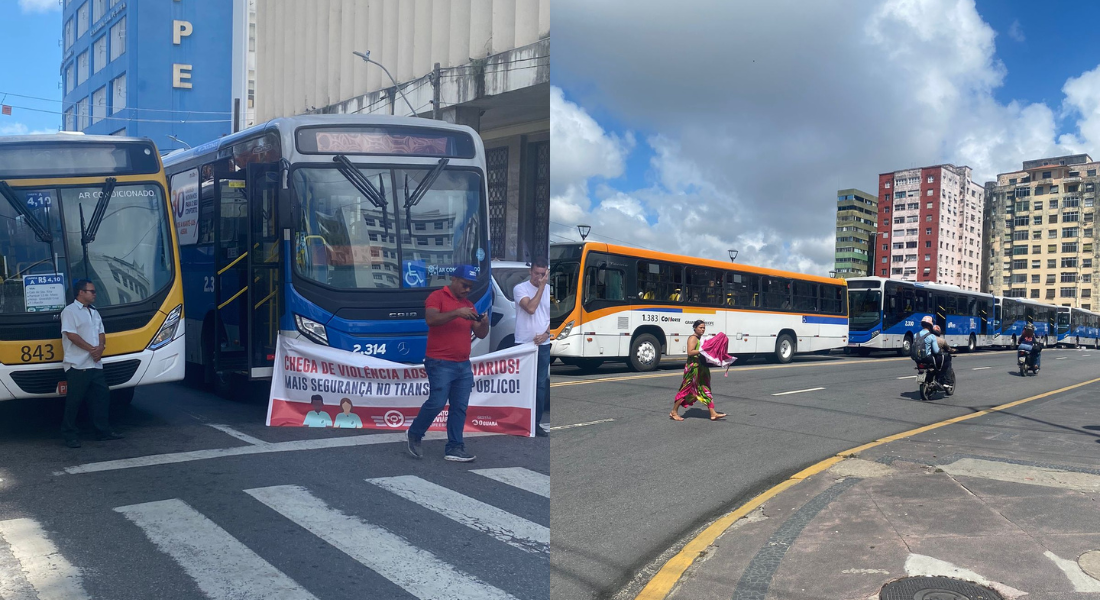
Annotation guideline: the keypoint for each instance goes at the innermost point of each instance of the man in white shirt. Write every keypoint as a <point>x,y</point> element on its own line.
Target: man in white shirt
<point>533,327</point>
<point>83,341</point>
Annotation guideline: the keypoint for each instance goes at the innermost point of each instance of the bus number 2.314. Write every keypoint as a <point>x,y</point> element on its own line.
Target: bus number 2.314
<point>369,349</point>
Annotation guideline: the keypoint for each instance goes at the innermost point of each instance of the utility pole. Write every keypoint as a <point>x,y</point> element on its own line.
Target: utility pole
<point>435,92</point>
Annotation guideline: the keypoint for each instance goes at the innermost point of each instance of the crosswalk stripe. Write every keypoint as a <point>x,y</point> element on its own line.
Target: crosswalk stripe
<point>417,571</point>
<point>42,565</point>
<point>518,477</point>
<point>220,565</point>
<point>475,514</point>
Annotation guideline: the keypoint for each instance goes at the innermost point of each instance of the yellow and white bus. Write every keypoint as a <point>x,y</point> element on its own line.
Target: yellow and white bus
<point>95,207</point>
<point>614,303</point>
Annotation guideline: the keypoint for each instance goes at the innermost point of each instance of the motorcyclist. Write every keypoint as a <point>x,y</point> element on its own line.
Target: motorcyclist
<point>946,351</point>
<point>931,347</point>
<point>1029,344</point>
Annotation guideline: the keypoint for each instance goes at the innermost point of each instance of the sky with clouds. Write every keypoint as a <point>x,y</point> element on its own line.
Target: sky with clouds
<point>703,126</point>
<point>30,59</point>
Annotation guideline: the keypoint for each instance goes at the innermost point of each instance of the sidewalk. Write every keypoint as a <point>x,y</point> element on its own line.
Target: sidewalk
<point>1009,501</point>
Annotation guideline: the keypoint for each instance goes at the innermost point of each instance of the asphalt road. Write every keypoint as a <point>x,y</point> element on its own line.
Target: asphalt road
<point>257,512</point>
<point>629,484</point>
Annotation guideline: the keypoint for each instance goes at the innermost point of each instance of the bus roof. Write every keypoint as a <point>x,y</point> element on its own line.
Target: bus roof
<point>289,124</point>
<point>70,139</point>
<point>941,287</point>
<point>717,264</point>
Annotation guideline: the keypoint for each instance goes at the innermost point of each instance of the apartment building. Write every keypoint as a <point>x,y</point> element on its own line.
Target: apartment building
<point>1041,236</point>
<point>855,232</point>
<point>930,226</point>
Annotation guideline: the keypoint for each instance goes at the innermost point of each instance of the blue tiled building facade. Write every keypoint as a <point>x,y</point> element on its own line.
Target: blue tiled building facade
<point>148,68</point>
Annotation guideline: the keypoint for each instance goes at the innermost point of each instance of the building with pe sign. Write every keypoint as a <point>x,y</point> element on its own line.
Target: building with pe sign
<point>162,70</point>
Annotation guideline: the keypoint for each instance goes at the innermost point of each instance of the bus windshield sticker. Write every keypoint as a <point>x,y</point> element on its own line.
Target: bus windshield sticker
<point>415,274</point>
<point>39,199</point>
<point>44,293</point>
<point>185,206</point>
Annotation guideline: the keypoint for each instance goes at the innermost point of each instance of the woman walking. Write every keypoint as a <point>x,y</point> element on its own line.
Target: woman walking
<point>696,385</point>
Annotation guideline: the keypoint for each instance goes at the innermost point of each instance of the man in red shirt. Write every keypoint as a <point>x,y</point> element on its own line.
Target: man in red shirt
<point>451,318</point>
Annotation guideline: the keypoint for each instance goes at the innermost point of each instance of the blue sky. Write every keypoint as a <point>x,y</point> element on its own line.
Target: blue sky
<point>740,120</point>
<point>30,58</point>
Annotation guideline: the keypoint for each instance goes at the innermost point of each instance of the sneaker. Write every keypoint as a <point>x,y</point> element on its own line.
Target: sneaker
<point>73,443</point>
<point>459,455</point>
<point>414,445</point>
<point>540,432</point>
<point>110,435</point>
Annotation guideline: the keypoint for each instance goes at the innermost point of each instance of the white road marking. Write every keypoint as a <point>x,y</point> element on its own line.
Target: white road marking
<point>981,368</point>
<point>1025,474</point>
<point>221,566</point>
<point>1061,358</point>
<point>41,565</point>
<point>908,377</point>
<point>1076,575</point>
<point>322,444</point>
<point>417,571</point>
<point>475,514</point>
<point>518,477</point>
<point>918,565</point>
<point>240,436</point>
<point>578,425</point>
<point>798,391</point>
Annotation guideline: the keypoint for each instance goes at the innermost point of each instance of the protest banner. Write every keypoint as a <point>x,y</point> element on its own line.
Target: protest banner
<point>358,391</point>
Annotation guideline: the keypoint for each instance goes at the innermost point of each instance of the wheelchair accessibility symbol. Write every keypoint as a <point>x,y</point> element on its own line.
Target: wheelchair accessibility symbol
<point>415,273</point>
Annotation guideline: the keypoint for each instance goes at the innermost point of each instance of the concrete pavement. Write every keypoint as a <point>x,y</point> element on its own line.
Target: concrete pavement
<point>1007,501</point>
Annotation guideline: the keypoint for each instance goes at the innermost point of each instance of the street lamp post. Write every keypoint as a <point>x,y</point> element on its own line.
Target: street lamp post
<point>733,255</point>
<point>366,57</point>
<point>583,230</point>
<point>172,137</point>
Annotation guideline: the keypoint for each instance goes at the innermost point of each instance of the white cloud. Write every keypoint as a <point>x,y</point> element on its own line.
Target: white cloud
<point>39,6</point>
<point>21,129</point>
<point>761,111</point>
<point>1016,31</point>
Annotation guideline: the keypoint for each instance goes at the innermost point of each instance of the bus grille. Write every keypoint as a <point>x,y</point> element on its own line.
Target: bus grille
<point>45,381</point>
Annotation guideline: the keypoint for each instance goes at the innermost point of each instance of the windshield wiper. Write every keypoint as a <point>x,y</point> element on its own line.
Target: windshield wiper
<point>41,232</point>
<point>88,233</point>
<point>422,188</point>
<point>376,195</point>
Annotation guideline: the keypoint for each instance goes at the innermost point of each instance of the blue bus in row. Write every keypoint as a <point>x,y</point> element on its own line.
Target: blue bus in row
<point>332,228</point>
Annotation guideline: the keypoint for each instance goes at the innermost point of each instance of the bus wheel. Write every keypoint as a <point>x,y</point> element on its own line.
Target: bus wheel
<point>906,345</point>
<point>222,382</point>
<point>784,349</point>
<point>645,353</point>
<point>122,397</point>
<point>973,344</point>
<point>864,352</point>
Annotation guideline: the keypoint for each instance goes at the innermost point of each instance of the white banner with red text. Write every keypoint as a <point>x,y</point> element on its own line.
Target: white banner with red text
<point>318,386</point>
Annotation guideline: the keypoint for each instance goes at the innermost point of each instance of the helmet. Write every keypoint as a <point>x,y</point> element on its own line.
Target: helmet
<point>1029,327</point>
<point>936,329</point>
<point>926,319</point>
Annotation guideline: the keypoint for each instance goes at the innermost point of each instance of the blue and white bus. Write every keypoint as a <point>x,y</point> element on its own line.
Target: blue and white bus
<point>1084,328</point>
<point>886,314</point>
<point>1011,315</point>
<point>334,228</point>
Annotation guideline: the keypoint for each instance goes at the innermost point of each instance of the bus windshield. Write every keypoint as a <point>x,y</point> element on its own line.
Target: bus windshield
<point>563,287</point>
<point>865,307</point>
<point>129,260</point>
<point>388,238</point>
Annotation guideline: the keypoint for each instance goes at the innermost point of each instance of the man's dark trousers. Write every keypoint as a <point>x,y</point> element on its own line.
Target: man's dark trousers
<point>90,384</point>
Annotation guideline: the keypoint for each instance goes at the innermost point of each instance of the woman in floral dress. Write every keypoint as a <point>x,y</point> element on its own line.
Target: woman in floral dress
<point>696,385</point>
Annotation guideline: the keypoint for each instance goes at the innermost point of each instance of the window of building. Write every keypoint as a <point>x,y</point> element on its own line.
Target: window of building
<point>1050,219</point>
<point>1039,191</point>
<point>1035,293</point>
<point>1051,249</point>
<point>1019,250</point>
<point>1088,232</point>
<point>1086,293</point>
<point>1046,174</point>
<point>82,20</point>
<point>1034,279</point>
<point>1086,263</point>
<point>70,77</point>
<point>1052,263</point>
<point>99,104</point>
<point>1036,249</point>
<point>99,49</point>
<point>1069,246</point>
<point>1069,262</point>
<point>887,185</point>
<point>1069,278</point>
<point>1067,292</point>
<point>1037,220</point>
<point>1050,278</point>
<point>118,93</point>
<point>70,33</point>
<point>1035,235</point>
<point>1053,204</point>
<point>99,8</point>
<point>1035,264</point>
<point>82,68</point>
<point>928,244</point>
<point>1086,248</point>
<point>1086,278</point>
<point>1012,181</point>
<point>1070,232</point>
<point>70,122</point>
<point>118,38</point>
<point>929,193</point>
<point>1019,264</point>
<point>928,218</point>
<point>82,114</point>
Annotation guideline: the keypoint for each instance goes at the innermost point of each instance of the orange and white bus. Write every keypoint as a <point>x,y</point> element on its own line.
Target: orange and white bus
<point>616,303</point>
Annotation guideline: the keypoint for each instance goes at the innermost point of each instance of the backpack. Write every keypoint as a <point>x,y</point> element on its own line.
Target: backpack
<point>918,350</point>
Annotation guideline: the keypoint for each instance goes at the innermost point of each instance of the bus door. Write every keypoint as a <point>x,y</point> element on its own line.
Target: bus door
<point>263,266</point>
<point>231,263</point>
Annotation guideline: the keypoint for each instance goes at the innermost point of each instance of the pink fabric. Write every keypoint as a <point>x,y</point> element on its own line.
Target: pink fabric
<point>716,350</point>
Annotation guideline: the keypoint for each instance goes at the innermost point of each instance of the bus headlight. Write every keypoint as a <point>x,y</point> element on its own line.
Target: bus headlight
<point>312,329</point>
<point>565,330</point>
<point>167,331</point>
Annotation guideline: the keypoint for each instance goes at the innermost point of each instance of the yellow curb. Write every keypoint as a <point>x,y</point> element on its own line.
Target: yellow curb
<point>670,573</point>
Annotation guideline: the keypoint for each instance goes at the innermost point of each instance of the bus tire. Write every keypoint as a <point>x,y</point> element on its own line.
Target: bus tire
<point>972,345</point>
<point>906,345</point>
<point>223,384</point>
<point>785,348</point>
<point>122,397</point>
<point>864,351</point>
<point>645,353</point>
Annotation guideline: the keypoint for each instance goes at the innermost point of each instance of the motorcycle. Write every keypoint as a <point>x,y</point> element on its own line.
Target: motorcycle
<point>928,385</point>
<point>1026,359</point>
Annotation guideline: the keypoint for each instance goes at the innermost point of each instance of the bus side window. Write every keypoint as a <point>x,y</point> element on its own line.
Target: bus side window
<point>742,290</point>
<point>206,220</point>
<point>647,280</point>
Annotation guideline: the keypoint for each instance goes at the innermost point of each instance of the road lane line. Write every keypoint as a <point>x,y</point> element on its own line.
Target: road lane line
<point>295,446</point>
<point>661,584</point>
<point>221,566</point>
<point>417,571</point>
<point>1061,358</point>
<point>799,391</point>
<point>244,437</point>
<point>586,424</point>
<point>980,368</point>
<point>42,566</point>
<point>518,477</point>
<point>475,514</point>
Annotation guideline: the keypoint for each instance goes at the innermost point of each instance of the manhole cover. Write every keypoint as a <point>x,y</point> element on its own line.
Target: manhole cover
<point>935,588</point>
<point>1090,563</point>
